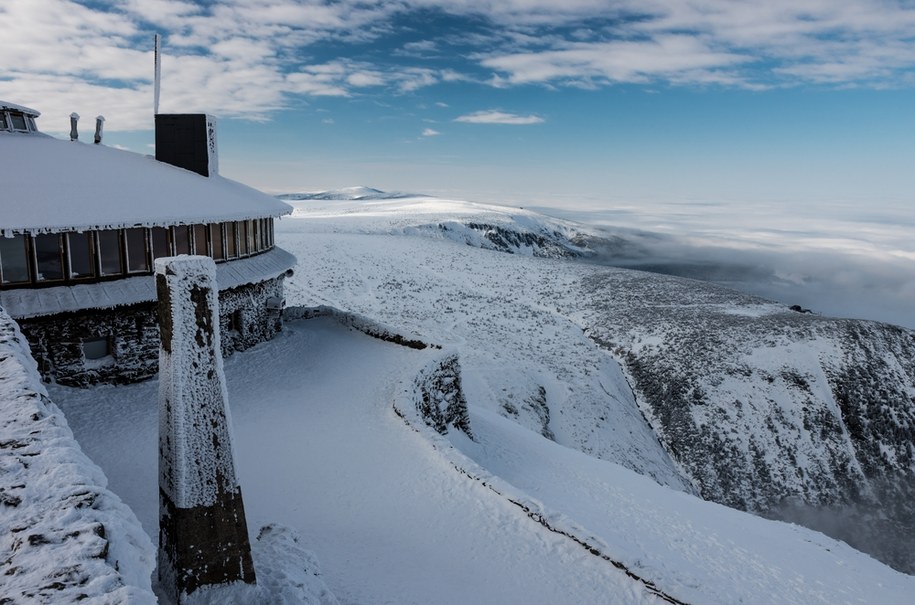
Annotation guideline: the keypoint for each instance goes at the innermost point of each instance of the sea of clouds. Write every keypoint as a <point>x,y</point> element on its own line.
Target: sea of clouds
<point>846,259</point>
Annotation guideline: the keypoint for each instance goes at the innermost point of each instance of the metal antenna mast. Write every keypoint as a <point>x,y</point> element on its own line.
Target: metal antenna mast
<point>158,76</point>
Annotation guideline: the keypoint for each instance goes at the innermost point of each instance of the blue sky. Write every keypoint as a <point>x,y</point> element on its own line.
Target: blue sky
<point>519,100</point>
<point>776,134</point>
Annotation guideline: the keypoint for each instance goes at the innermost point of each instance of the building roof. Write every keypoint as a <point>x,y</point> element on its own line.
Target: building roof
<point>23,303</point>
<point>52,185</point>
<point>13,107</point>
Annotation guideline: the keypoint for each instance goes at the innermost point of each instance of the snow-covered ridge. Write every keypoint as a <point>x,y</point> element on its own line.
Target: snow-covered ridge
<point>64,535</point>
<point>679,548</point>
<point>489,226</point>
<point>755,405</point>
<point>347,193</point>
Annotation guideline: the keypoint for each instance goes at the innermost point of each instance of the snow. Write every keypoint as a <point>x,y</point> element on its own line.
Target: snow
<point>54,185</point>
<point>195,440</point>
<point>34,302</point>
<point>12,106</point>
<point>63,534</point>
<point>392,522</point>
<point>698,551</point>
<point>397,513</point>
<point>389,519</point>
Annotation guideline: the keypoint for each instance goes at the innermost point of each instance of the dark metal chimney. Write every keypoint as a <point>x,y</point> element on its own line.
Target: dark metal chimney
<point>187,140</point>
<point>99,121</point>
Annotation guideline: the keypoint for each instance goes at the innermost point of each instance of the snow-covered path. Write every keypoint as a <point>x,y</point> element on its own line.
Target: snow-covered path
<point>320,449</point>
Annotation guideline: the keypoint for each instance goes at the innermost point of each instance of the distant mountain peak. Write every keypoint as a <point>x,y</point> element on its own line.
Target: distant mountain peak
<point>347,193</point>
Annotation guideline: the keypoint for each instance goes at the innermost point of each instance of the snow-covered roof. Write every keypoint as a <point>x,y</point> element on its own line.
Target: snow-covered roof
<point>53,185</point>
<point>4,105</point>
<point>22,303</point>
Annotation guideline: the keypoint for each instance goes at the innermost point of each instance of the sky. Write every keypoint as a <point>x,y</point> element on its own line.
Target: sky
<point>786,100</point>
<point>777,133</point>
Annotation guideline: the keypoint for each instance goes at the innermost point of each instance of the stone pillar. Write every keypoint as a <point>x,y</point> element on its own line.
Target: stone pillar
<point>203,535</point>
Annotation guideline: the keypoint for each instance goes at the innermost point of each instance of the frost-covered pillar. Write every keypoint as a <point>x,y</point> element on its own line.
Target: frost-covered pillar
<point>203,536</point>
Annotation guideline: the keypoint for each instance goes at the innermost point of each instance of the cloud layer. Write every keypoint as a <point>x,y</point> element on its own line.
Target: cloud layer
<point>847,260</point>
<point>494,116</point>
<point>250,58</point>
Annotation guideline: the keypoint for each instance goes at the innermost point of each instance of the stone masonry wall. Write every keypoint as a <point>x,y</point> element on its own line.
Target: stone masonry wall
<point>133,336</point>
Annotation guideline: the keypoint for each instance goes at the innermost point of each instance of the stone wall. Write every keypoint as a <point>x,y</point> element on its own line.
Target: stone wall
<point>248,315</point>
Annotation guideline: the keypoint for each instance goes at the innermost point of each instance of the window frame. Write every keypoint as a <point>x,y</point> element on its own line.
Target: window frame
<point>174,230</point>
<point>89,344</point>
<point>119,237</point>
<point>218,242</point>
<point>62,259</point>
<point>13,116</point>
<point>27,251</point>
<point>249,237</point>
<point>90,245</point>
<point>147,261</point>
<point>206,237</point>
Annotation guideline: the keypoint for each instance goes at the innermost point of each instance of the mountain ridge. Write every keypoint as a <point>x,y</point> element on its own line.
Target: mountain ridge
<point>758,406</point>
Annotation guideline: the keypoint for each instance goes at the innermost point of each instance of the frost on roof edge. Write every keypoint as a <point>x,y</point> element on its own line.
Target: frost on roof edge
<point>26,110</point>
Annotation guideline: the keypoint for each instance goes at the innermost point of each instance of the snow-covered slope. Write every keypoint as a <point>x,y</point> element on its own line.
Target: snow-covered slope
<point>397,516</point>
<point>64,537</point>
<point>546,503</point>
<point>755,405</point>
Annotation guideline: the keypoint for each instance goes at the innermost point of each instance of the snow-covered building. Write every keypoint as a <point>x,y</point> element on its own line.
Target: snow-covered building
<point>82,223</point>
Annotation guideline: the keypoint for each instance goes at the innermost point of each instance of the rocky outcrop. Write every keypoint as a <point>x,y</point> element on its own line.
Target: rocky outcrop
<point>439,397</point>
<point>763,408</point>
<point>542,242</point>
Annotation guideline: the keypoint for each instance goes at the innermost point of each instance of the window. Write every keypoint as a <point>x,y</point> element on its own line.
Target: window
<point>182,238</point>
<point>270,232</point>
<point>160,242</point>
<point>231,241</point>
<point>252,240</point>
<point>109,248</point>
<point>97,348</point>
<point>4,125</point>
<point>49,254</point>
<point>14,264</point>
<point>258,241</point>
<point>200,240</point>
<point>18,121</point>
<point>137,256</point>
<point>82,260</point>
<point>236,321</point>
<point>242,238</point>
<point>216,240</point>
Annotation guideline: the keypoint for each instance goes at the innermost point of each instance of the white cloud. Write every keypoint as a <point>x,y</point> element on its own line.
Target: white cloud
<point>498,117</point>
<point>429,132</point>
<point>244,58</point>
<point>365,78</point>
<point>618,61</point>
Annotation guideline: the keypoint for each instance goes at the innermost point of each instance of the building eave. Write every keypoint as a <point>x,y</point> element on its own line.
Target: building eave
<point>26,303</point>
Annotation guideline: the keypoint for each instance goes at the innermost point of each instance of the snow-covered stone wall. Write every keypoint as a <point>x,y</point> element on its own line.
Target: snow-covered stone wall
<point>248,316</point>
<point>64,537</point>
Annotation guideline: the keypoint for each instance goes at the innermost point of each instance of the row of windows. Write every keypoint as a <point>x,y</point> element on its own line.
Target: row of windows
<point>17,121</point>
<point>63,258</point>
